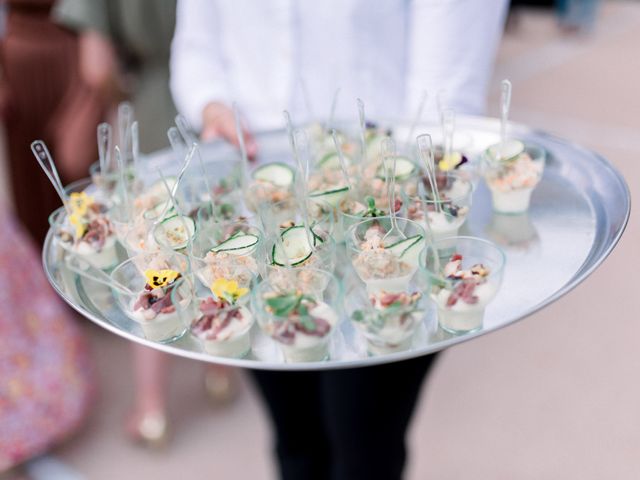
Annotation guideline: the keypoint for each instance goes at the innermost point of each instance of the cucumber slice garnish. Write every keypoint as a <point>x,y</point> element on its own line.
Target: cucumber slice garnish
<point>171,232</point>
<point>333,197</point>
<point>506,151</point>
<point>239,243</point>
<point>374,146</point>
<point>408,249</point>
<point>157,189</point>
<point>276,173</point>
<point>331,161</point>
<point>295,244</point>
<point>154,212</point>
<point>405,168</point>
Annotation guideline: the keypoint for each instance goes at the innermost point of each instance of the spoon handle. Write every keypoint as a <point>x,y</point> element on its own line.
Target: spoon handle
<point>417,117</point>
<point>105,139</point>
<point>448,127</point>
<point>86,270</point>
<point>505,104</point>
<point>125,119</point>
<point>389,158</point>
<point>185,129</point>
<point>41,152</point>
<point>244,159</point>
<point>361,119</point>
<point>135,147</point>
<point>425,149</point>
<point>343,164</point>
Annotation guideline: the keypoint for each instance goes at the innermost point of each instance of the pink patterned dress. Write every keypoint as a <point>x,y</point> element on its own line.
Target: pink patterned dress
<point>45,372</point>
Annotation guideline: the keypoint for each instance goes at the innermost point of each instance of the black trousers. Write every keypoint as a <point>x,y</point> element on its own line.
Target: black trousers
<point>343,424</point>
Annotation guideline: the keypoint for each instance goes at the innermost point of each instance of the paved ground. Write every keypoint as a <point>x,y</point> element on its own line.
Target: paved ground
<point>553,397</point>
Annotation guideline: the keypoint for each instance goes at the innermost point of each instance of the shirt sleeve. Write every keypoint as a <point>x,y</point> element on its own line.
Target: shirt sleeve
<point>452,48</point>
<point>198,74</point>
<point>80,15</point>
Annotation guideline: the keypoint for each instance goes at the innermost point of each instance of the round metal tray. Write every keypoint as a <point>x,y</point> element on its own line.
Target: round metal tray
<point>578,213</point>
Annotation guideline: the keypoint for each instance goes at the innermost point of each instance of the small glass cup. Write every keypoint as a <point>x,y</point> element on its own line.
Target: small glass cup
<point>322,256</point>
<point>385,263</point>
<point>302,337</point>
<point>174,233</point>
<point>388,321</point>
<point>102,254</point>
<point>461,300</point>
<point>229,245</point>
<point>160,320</point>
<point>223,320</point>
<point>446,214</point>
<point>511,182</point>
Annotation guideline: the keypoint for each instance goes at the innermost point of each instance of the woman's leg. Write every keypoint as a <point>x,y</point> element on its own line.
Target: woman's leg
<point>293,400</point>
<point>148,421</point>
<point>368,411</point>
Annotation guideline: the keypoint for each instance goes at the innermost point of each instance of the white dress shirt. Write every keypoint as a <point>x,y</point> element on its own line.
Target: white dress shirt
<point>271,55</point>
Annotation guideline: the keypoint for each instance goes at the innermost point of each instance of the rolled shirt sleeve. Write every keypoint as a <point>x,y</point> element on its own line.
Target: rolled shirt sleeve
<point>198,74</point>
<point>452,48</point>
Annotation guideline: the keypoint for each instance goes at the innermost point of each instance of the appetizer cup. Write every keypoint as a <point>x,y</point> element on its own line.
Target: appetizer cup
<point>463,283</point>
<point>448,212</point>
<point>300,317</point>
<point>160,294</point>
<point>513,175</point>
<point>270,183</point>
<point>232,244</point>
<point>93,241</point>
<point>223,322</point>
<point>295,248</point>
<point>385,258</point>
<point>387,321</point>
<point>174,232</point>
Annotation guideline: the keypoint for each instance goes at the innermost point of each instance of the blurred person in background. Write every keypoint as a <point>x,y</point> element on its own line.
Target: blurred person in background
<point>43,96</point>
<point>45,370</point>
<point>577,16</point>
<point>124,54</point>
<point>351,423</point>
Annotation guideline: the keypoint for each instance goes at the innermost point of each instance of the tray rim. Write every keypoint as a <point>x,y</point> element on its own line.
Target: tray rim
<point>586,269</point>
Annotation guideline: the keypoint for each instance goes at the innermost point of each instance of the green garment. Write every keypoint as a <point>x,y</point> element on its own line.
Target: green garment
<point>141,31</point>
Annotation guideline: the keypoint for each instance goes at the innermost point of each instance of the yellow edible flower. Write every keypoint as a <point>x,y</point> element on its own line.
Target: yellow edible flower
<point>76,220</point>
<point>228,289</point>
<point>449,162</point>
<point>160,278</point>
<point>80,202</point>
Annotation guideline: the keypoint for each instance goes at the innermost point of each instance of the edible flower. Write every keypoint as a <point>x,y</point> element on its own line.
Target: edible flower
<point>160,278</point>
<point>228,290</point>
<point>80,202</point>
<point>450,162</point>
<point>81,227</point>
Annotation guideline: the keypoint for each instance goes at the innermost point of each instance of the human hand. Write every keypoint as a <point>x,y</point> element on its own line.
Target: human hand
<point>218,121</point>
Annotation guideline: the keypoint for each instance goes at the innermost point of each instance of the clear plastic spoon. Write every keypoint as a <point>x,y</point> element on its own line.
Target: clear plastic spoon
<point>332,111</point>
<point>105,141</point>
<point>301,153</point>
<point>425,150</point>
<point>363,130</point>
<point>41,152</point>
<point>448,119</point>
<point>185,129</point>
<point>125,119</point>
<point>343,163</point>
<point>417,117</point>
<point>505,104</point>
<point>389,158</point>
<point>244,159</point>
<point>86,270</point>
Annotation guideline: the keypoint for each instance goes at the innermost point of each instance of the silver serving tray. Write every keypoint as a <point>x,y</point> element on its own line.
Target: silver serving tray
<point>578,213</point>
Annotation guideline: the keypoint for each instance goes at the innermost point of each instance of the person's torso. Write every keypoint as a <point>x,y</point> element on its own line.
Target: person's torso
<point>287,54</point>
